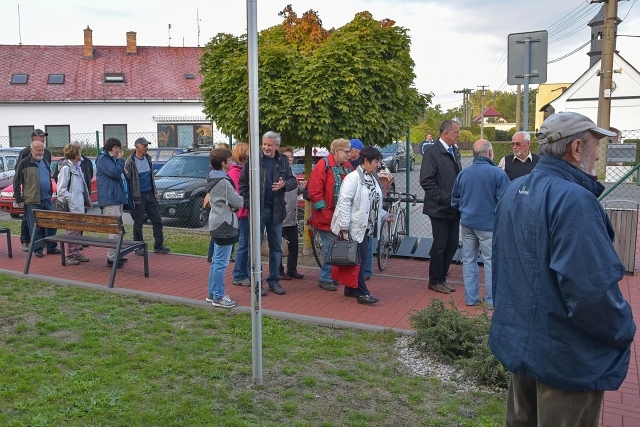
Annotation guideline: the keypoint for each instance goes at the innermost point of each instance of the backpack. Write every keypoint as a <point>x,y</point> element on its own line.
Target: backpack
<point>305,192</point>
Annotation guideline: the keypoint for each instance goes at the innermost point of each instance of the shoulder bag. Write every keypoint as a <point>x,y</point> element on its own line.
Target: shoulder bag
<point>343,252</point>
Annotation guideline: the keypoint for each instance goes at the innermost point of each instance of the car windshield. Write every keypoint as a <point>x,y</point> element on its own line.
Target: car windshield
<point>389,149</point>
<point>185,166</point>
<point>11,162</point>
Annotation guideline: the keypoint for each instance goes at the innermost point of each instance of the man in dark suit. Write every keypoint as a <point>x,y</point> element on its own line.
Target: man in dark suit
<point>440,167</point>
<point>522,161</point>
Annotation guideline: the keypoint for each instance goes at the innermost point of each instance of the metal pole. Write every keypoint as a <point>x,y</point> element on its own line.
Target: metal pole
<point>518,107</point>
<point>254,185</point>
<point>97,142</point>
<point>527,72</point>
<point>409,151</point>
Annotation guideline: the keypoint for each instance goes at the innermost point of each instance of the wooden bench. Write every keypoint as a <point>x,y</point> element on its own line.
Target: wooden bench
<point>8,233</point>
<point>86,223</point>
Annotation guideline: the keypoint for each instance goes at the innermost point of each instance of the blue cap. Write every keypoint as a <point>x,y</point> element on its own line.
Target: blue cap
<point>357,144</point>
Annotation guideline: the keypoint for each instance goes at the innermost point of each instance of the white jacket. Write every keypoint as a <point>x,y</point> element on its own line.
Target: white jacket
<point>78,194</point>
<point>352,210</point>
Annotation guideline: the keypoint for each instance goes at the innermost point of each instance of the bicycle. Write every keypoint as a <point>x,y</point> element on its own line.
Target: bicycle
<point>316,244</point>
<point>393,232</point>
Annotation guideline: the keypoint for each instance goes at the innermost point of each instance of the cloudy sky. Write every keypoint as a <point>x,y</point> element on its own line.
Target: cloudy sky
<point>456,44</point>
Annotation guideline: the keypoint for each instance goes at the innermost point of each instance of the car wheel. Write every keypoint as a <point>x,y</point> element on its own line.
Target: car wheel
<point>199,215</point>
<point>413,164</point>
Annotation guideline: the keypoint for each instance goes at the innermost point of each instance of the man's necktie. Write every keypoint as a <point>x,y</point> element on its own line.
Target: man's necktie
<point>450,150</point>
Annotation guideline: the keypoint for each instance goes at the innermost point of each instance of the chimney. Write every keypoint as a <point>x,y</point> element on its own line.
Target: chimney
<point>88,43</point>
<point>132,48</point>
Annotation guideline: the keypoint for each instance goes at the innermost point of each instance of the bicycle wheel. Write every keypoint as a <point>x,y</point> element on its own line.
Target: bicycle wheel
<point>316,245</point>
<point>384,246</point>
<point>400,230</point>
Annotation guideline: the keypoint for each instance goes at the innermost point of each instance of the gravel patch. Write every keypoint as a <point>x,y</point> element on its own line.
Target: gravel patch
<point>426,367</point>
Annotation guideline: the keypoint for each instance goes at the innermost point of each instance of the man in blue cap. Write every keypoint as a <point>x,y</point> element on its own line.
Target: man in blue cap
<point>354,154</point>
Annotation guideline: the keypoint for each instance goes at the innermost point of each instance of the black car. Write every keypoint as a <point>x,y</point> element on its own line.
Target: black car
<point>160,156</point>
<point>181,188</point>
<point>394,156</point>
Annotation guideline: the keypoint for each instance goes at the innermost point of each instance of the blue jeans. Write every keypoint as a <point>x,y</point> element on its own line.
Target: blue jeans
<point>274,238</point>
<point>241,268</point>
<point>31,222</point>
<point>368,262</point>
<point>325,271</point>
<point>218,267</point>
<point>473,239</point>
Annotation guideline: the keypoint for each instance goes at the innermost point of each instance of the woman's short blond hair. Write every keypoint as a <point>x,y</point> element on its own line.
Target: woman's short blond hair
<point>340,144</point>
<point>71,151</point>
<point>239,152</point>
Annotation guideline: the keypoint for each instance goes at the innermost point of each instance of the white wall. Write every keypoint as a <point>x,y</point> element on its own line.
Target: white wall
<point>625,113</point>
<point>90,117</point>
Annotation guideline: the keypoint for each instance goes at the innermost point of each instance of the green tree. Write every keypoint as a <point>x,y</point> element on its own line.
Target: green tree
<point>316,85</point>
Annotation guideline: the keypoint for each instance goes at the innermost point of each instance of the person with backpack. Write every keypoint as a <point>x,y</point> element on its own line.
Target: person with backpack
<point>323,189</point>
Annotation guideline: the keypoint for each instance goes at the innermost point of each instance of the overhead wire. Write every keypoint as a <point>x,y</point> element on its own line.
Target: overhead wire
<point>553,28</point>
<point>568,54</point>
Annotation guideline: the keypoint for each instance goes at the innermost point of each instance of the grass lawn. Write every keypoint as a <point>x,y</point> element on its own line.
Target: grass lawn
<point>78,357</point>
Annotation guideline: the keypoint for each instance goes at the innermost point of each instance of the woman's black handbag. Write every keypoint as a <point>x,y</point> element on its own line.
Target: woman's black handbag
<point>343,252</point>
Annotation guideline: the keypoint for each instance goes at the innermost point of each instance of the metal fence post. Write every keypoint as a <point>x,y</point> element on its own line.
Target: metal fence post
<point>409,152</point>
<point>97,141</point>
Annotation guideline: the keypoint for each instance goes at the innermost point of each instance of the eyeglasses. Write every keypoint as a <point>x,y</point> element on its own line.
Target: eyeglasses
<point>517,144</point>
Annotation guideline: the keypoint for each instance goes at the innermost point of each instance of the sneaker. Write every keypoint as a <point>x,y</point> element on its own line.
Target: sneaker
<point>161,250</point>
<point>224,302</point>
<point>367,299</point>
<point>110,263</point>
<point>328,286</point>
<point>39,254</point>
<point>71,260</point>
<point>243,282</point>
<point>263,292</point>
<point>209,298</point>
<point>53,251</point>
<point>25,247</point>
<point>139,252</point>
<point>277,289</point>
<point>81,258</point>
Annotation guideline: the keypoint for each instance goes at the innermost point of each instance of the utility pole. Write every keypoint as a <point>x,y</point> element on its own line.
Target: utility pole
<point>518,107</point>
<point>483,87</point>
<point>466,105</point>
<point>606,73</point>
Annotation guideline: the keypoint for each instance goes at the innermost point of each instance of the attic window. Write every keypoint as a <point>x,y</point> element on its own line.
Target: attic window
<point>56,79</point>
<point>189,76</point>
<point>114,77</point>
<point>19,79</point>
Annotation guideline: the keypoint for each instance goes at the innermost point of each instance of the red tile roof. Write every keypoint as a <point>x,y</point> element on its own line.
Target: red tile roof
<point>155,73</point>
<point>489,112</point>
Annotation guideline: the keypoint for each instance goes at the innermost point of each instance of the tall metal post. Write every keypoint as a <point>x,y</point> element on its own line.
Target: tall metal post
<point>409,151</point>
<point>97,142</point>
<point>518,108</point>
<point>254,185</point>
<point>527,75</point>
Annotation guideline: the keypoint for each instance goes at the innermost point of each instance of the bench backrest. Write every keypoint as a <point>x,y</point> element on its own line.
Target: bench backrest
<point>78,221</point>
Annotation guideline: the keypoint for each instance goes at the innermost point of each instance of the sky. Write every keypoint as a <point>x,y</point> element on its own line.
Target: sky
<point>455,44</point>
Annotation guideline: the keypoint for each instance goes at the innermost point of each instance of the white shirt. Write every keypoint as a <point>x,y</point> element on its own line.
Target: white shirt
<point>501,164</point>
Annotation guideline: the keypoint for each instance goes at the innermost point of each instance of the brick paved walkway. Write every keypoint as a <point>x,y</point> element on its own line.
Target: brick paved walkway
<point>402,289</point>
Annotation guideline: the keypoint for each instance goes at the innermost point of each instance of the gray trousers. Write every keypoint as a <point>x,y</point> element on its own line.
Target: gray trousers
<point>533,404</point>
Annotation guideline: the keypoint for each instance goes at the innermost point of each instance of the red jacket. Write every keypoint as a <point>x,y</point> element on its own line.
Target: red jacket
<point>321,192</point>
<point>234,174</point>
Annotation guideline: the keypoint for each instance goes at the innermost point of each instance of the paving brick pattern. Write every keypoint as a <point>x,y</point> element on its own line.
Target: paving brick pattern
<point>402,290</point>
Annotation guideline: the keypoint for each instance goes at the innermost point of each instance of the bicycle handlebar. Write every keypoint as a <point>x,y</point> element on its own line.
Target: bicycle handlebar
<point>409,197</point>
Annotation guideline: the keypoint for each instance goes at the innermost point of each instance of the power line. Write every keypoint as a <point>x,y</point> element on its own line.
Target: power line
<point>579,23</point>
<point>625,16</point>
<point>568,54</point>
<point>558,24</point>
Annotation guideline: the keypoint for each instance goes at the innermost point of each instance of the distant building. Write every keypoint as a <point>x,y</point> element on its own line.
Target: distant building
<point>120,91</point>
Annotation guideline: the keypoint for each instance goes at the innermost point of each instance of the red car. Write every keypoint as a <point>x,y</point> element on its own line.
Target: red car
<point>7,202</point>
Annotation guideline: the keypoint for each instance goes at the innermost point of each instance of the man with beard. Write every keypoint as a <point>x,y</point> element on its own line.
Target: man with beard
<point>32,189</point>
<point>561,325</point>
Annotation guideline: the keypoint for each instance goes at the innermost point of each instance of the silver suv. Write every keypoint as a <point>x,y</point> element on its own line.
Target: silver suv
<point>8,161</point>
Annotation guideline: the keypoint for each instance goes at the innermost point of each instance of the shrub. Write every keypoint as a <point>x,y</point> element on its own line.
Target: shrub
<point>452,336</point>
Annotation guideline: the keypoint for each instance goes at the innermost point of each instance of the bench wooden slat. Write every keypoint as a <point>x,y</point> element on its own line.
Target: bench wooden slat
<point>105,224</point>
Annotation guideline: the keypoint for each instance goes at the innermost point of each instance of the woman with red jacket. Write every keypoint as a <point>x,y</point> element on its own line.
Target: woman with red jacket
<point>324,188</point>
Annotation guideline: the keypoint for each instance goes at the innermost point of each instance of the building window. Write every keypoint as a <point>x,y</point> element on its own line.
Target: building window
<point>116,131</point>
<point>56,79</point>
<point>114,77</point>
<point>185,135</point>
<point>59,135</point>
<point>19,79</point>
<point>20,136</point>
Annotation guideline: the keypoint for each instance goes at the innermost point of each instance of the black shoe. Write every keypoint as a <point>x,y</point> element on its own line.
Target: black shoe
<point>296,275</point>
<point>39,254</point>
<point>161,250</point>
<point>284,276</point>
<point>232,259</point>
<point>349,293</point>
<point>210,259</point>
<point>277,289</point>
<point>53,251</point>
<point>139,252</point>
<point>367,299</point>
<point>367,278</point>
<point>110,263</point>
<point>124,259</point>
<point>263,291</point>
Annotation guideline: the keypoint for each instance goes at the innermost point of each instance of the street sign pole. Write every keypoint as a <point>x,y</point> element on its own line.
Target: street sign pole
<point>527,76</point>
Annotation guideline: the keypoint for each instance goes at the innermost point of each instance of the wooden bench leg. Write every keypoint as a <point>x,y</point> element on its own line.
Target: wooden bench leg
<point>9,244</point>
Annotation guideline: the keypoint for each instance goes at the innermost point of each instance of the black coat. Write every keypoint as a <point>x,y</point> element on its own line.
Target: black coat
<point>282,170</point>
<point>438,172</point>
